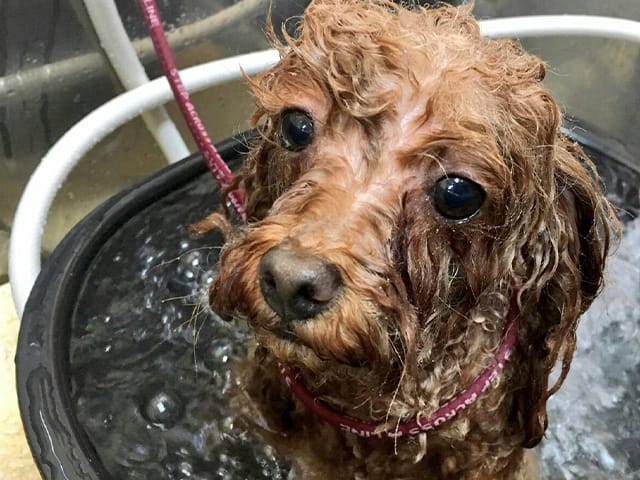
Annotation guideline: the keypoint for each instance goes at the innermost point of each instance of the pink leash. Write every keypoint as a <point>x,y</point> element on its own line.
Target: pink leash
<point>212,158</point>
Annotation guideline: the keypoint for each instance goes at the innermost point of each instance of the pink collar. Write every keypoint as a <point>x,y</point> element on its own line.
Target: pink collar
<point>449,410</point>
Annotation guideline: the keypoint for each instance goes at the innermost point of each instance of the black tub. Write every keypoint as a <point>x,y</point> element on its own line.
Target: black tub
<point>73,337</point>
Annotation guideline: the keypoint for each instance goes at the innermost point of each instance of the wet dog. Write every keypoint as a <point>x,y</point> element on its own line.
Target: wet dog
<point>422,242</point>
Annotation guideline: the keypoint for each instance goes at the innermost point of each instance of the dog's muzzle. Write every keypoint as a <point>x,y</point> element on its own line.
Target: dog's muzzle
<point>296,285</point>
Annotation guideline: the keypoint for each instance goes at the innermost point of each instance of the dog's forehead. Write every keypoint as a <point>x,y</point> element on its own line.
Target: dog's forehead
<point>368,58</point>
<point>410,92</point>
<point>403,143</point>
<point>424,99</point>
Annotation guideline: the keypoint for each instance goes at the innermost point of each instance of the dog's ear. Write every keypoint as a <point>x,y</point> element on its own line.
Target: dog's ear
<point>575,239</point>
<point>255,178</point>
<point>266,173</point>
<point>560,229</point>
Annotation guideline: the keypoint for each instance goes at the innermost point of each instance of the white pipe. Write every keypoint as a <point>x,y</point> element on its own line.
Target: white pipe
<point>26,237</point>
<point>124,60</point>
<point>562,25</point>
<point>30,217</point>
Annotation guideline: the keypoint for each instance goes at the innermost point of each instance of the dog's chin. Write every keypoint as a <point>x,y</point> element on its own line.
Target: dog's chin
<point>287,348</point>
<point>295,350</point>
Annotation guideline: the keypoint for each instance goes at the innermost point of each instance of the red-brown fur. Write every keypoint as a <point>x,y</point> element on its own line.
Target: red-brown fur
<point>399,97</point>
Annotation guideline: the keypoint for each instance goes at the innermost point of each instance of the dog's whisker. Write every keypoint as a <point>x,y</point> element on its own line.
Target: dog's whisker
<point>173,299</point>
<point>195,312</point>
<point>395,395</point>
<point>196,336</point>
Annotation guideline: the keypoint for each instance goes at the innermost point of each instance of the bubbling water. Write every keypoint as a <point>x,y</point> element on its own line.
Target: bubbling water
<point>594,420</point>
<point>151,365</point>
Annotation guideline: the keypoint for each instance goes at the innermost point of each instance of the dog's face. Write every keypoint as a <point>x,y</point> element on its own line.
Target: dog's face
<point>410,181</point>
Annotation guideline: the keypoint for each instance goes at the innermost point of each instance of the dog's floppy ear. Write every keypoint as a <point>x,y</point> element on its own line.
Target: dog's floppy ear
<point>578,235</point>
<point>255,179</point>
<point>266,174</point>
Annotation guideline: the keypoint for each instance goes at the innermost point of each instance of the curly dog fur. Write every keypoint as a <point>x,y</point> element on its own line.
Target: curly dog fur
<point>400,98</point>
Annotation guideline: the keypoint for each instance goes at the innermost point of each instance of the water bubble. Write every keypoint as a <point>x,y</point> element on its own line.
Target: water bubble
<point>163,408</point>
<point>140,453</point>
<point>185,468</point>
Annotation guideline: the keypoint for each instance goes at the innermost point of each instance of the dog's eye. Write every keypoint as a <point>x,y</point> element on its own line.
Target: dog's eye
<point>296,130</point>
<point>457,198</point>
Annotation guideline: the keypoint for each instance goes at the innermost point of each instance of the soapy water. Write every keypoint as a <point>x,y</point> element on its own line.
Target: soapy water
<point>151,366</point>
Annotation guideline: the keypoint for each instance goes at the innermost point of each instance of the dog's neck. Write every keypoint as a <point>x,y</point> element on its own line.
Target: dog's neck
<point>396,428</point>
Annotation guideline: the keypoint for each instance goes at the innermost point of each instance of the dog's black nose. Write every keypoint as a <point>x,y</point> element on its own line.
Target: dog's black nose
<point>297,286</point>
